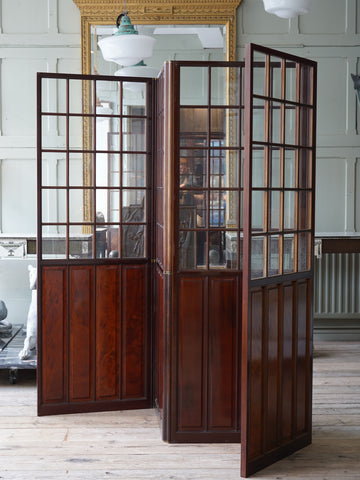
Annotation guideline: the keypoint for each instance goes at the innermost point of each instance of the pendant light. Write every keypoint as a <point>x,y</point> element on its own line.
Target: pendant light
<point>126,47</point>
<point>287,8</point>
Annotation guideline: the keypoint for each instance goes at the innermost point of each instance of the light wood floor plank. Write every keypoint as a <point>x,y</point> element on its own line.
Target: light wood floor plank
<point>127,445</point>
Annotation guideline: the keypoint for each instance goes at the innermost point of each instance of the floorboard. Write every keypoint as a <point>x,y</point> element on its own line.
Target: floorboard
<point>127,445</point>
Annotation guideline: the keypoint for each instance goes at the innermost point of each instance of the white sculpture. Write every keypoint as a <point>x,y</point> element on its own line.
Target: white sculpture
<point>31,326</point>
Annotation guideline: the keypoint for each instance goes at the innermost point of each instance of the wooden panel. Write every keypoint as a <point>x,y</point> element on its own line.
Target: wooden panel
<point>53,319</point>
<point>159,346</point>
<point>80,333</point>
<point>134,332</point>
<point>287,377</point>
<point>107,332</point>
<point>222,353</point>
<point>191,374</point>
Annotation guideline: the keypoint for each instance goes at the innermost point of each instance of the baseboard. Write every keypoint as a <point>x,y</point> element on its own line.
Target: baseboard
<point>336,328</point>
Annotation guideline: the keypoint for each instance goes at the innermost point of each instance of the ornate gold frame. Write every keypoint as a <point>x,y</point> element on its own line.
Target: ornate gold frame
<point>142,12</point>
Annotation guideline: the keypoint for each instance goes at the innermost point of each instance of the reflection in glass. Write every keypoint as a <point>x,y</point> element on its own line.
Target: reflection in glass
<point>258,168</point>
<point>273,255</point>
<point>259,74</point>
<point>217,257</point>
<point>304,251</point>
<point>113,209</point>
<point>288,255</point>
<point>224,86</point>
<point>218,201</point>
<point>53,243</point>
<point>114,169</point>
<point>76,203</point>
<point>290,80</point>
<point>194,85</point>
<point>133,170</point>
<point>289,210</point>
<point>133,206</point>
<point>275,65</point>
<point>134,138</point>
<point>306,83</point>
<point>257,257</point>
<point>218,169</point>
<point>225,125</point>
<point>275,170</point>
<point>80,244</point>
<point>289,125</point>
<point>259,120</point>
<point>76,163</point>
<point>275,111</point>
<point>275,210</point>
<point>133,241</point>
<point>257,211</point>
<point>289,169</point>
<point>305,139</point>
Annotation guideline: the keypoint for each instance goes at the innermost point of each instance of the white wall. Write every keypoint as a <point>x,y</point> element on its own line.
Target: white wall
<point>330,35</point>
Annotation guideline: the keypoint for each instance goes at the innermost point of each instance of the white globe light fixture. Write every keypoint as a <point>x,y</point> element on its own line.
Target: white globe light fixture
<point>287,8</point>
<point>140,70</point>
<point>126,47</point>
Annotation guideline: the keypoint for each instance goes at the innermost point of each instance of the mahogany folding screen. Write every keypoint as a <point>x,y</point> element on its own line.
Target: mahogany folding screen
<point>175,249</point>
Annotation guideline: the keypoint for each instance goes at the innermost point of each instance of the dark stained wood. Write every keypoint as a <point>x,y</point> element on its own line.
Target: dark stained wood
<point>107,332</point>
<point>52,358</point>
<point>81,349</point>
<point>159,341</point>
<point>135,337</point>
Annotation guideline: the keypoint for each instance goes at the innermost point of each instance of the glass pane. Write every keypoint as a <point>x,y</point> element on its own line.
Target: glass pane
<point>134,199</point>
<point>289,210</point>
<point>306,83</point>
<point>114,241</point>
<point>133,241</point>
<point>306,125</point>
<point>53,242</point>
<point>195,120</point>
<point>257,212</point>
<point>194,85</point>
<point>218,169</point>
<point>275,210</point>
<point>225,124</point>
<point>289,169</point>
<point>305,168</point>
<point>217,258</point>
<point>53,95</point>
<point>134,138</point>
<point>76,89</point>
<point>102,200</point>
<point>191,245</point>
<point>80,243</point>
<point>258,168</point>
<point>259,74</point>
<point>257,257</point>
<point>76,164</point>
<point>113,137</point>
<point>50,124</point>
<point>290,123</point>
<point>230,204</point>
<point>259,121</point>
<point>231,250</point>
<point>50,163</point>
<point>304,249</point>
<point>290,80</point>
<point>275,170</point>
<point>102,240</point>
<point>77,200</point>
<point>224,86</point>
<point>218,202</point>
<point>275,112</point>
<point>274,255</point>
<point>133,171</point>
<point>113,204</point>
<point>288,257</point>
<point>114,170</point>
<point>275,65</point>
<point>53,208</point>
<point>76,132</point>
<point>304,210</point>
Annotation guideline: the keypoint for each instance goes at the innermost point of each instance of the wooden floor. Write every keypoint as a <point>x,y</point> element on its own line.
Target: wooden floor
<point>127,445</point>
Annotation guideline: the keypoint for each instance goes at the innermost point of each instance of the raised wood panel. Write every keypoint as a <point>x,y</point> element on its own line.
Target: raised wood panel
<point>107,332</point>
<point>191,372</point>
<point>53,326</point>
<point>134,332</point>
<point>287,377</point>
<point>81,316</point>
<point>159,340</point>
<point>222,353</point>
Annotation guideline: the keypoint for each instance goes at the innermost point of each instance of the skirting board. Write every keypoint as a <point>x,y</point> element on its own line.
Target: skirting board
<point>337,328</point>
